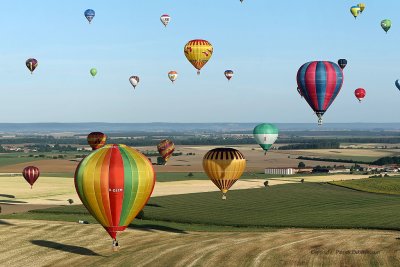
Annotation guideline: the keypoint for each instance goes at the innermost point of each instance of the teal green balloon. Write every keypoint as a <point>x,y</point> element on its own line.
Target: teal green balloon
<point>386,24</point>
<point>93,72</point>
<point>265,135</point>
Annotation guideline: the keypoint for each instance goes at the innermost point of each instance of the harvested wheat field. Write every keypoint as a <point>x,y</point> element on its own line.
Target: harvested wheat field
<point>44,243</point>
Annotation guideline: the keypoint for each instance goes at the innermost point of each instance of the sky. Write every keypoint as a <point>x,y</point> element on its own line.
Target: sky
<point>263,42</point>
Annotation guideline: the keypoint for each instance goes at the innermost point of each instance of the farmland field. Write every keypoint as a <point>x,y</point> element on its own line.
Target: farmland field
<point>384,185</point>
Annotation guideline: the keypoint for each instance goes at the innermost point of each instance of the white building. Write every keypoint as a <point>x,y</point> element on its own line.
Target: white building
<point>280,171</point>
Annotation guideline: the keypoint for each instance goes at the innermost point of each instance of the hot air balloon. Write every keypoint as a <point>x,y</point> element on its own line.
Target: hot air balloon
<point>166,148</point>
<point>224,166</point>
<point>31,174</point>
<point>320,82</point>
<point>93,72</point>
<point>89,14</point>
<point>31,64</point>
<point>265,135</point>
<point>173,75</point>
<point>228,74</point>
<point>96,140</point>
<point>198,52</point>
<point>114,183</point>
<point>299,91</point>
<point>134,80</point>
<point>165,19</point>
<point>397,83</point>
<point>361,6</point>
<point>360,94</point>
<point>342,63</point>
<point>386,24</point>
<point>355,11</point>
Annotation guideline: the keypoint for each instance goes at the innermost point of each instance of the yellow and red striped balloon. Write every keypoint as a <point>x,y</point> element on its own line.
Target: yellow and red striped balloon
<point>114,183</point>
<point>224,166</point>
<point>166,148</point>
<point>198,52</point>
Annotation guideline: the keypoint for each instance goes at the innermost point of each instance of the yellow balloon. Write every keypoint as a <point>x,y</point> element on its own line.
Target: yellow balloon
<point>361,6</point>
<point>355,11</point>
<point>198,52</point>
<point>224,166</point>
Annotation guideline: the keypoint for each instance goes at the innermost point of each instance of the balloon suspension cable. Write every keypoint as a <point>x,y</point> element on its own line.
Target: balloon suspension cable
<point>223,196</point>
<point>31,186</point>
<point>319,121</point>
<point>198,72</point>
<point>265,153</point>
<point>359,100</point>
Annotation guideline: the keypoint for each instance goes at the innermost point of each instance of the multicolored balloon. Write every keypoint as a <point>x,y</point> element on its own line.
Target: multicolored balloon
<point>31,64</point>
<point>31,174</point>
<point>166,148</point>
<point>228,74</point>
<point>386,24</point>
<point>355,11</point>
<point>224,166</point>
<point>165,19</point>
<point>320,82</point>
<point>114,183</point>
<point>173,75</point>
<point>96,140</point>
<point>361,6</point>
<point>342,63</point>
<point>89,14</point>
<point>134,80</point>
<point>198,52</point>
<point>360,94</point>
<point>93,72</point>
<point>265,135</point>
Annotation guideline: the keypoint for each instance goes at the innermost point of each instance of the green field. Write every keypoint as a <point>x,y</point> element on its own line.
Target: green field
<point>312,205</point>
<point>384,185</point>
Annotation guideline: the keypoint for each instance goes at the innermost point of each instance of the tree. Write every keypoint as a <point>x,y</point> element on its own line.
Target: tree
<point>70,201</point>
<point>301,165</point>
<point>190,174</point>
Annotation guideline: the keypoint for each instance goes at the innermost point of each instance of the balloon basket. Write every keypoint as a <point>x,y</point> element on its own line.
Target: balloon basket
<point>223,196</point>
<point>115,246</point>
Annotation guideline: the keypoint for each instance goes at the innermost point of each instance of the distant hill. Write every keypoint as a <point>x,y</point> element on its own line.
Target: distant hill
<point>28,128</point>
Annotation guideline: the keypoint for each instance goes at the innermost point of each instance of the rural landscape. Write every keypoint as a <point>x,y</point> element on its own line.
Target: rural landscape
<point>347,217</point>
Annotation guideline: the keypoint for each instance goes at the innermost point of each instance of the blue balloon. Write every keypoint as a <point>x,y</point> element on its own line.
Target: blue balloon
<point>89,14</point>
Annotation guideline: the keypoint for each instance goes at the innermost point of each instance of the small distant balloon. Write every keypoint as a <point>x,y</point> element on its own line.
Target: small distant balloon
<point>134,80</point>
<point>165,19</point>
<point>89,14</point>
<point>397,83</point>
<point>355,11</point>
<point>386,24</point>
<point>93,72</point>
<point>166,149</point>
<point>173,75</point>
<point>361,6</point>
<point>228,74</point>
<point>31,64</point>
<point>96,140</point>
<point>360,94</point>
<point>31,174</point>
<point>342,63</point>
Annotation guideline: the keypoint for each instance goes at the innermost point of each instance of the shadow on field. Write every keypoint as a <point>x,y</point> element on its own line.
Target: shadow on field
<point>154,227</point>
<point>65,248</point>
<point>11,201</point>
<point>8,196</point>
<point>153,205</point>
<point>5,223</point>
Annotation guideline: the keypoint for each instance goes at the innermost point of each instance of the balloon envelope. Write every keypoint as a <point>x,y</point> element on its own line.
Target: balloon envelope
<point>397,83</point>
<point>93,72</point>
<point>96,140</point>
<point>166,148</point>
<point>31,64</point>
<point>265,135</point>
<point>342,63</point>
<point>173,75</point>
<point>165,19</point>
<point>228,74</point>
<point>355,11</point>
<point>361,6</point>
<point>134,80</point>
<point>89,14</point>
<point>224,166</point>
<point>360,93</point>
<point>114,183</point>
<point>320,82</point>
<point>386,24</point>
<point>31,174</point>
<point>198,53</point>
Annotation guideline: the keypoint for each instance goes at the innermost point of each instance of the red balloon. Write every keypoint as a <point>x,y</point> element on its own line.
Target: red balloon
<point>96,140</point>
<point>360,94</point>
<point>31,174</point>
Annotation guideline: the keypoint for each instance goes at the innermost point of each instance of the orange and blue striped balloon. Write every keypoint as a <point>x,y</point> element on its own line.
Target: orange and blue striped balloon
<point>114,183</point>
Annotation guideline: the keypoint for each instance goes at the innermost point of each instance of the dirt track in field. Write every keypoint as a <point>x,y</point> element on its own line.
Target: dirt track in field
<point>42,243</point>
